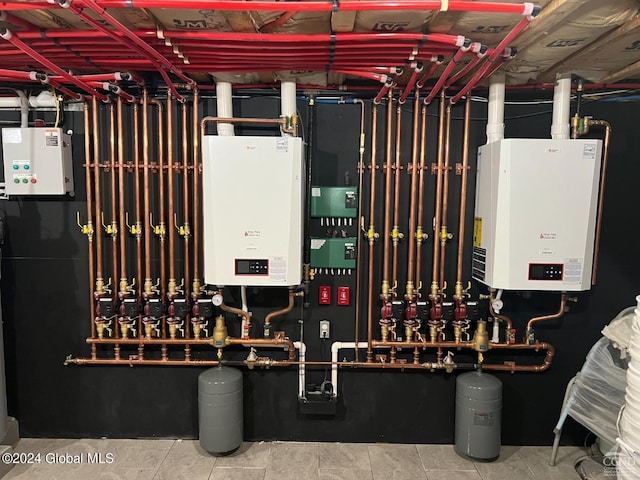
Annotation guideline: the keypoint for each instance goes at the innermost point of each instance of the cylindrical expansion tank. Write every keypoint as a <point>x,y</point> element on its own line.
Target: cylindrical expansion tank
<point>220,410</point>
<point>478,415</point>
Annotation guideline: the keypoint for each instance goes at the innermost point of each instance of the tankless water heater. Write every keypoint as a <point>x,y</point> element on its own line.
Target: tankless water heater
<point>536,202</point>
<point>253,210</point>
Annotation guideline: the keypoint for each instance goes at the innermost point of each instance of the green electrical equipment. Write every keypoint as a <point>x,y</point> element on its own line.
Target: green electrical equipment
<point>335,207</point>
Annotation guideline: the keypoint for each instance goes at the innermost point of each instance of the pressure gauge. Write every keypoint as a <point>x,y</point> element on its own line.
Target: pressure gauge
<point>216,299</point>
<point>497,305</point>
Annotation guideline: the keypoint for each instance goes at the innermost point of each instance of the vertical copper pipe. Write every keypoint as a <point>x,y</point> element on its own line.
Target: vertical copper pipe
<point>185,212</point>
<point>388,171</point>
<point>463,188</point>
<point>445,195</point>
<point>395,234</point>
<point>438,210</point>
<point>161,209</point>
<point>196,194</point>
<point>114,207</point>
<point>603,177</point>
<point>138,220</point>
<point>96,175</point>
<point>412,198</point>
<point>360,225</point>
<point>90,227</point>
<point>171,191</point>
<point>147,187</point>
<point>122,232</point>
<point>419,232</point>
<point>371,235</point>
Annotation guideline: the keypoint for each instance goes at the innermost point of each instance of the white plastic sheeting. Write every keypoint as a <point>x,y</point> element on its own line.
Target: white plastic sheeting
<point>628,459</point>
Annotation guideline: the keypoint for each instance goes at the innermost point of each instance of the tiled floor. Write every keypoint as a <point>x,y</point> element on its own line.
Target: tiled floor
<point>185,460</point>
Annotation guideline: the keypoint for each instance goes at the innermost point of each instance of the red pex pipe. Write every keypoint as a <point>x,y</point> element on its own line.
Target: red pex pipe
<point>142,46</point>
<point>19,22</point>
<point>434,66</point>
<point>319,6</point>
<point>499,50</point>
<point>417,70</point>
<point>16,42</point>
<point>467,68</point>
<point>443,77</point>
<point>380,77</point>
<point>18,75</point>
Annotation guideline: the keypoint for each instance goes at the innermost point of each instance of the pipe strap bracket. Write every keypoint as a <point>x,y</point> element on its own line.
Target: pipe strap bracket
<point>444,5</point>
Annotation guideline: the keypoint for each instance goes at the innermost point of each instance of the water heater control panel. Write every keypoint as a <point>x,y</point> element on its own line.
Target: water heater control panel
<point>37,161</point>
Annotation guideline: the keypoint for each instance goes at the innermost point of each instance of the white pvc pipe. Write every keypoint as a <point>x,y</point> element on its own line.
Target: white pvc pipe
<point>24,108</point>
<point>288,106</point>
<point>561,106</point>
<point>44,99</point>
<point>224,103</point>
<point>628,460</point>
<point>495,109</point>
<point>302,349</point>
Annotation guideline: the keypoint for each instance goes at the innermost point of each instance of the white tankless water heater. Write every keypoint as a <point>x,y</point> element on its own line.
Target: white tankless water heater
<point>253,210</point>
<point>536,202</point>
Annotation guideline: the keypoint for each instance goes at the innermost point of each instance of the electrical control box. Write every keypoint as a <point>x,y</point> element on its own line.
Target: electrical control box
<point>253,210</point>
<point>535,214</point>
<point>37,161</point>
<point>334,202</point>
<point>333,252</point>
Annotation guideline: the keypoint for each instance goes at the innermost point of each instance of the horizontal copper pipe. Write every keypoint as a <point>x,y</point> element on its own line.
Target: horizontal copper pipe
<point>558,314</point>
<point>151,341</point>
<point>513,367</point>
<point>266,342</point>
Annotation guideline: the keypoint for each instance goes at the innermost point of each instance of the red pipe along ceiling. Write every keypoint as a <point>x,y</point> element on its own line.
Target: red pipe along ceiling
<point>302,6</point>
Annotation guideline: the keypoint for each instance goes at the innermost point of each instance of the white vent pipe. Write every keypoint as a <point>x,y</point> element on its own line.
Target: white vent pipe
<point>495,113</point>
<point>288,99</point>
<point>628,458</point>
<point>225,107</point>
<point>561,106</point>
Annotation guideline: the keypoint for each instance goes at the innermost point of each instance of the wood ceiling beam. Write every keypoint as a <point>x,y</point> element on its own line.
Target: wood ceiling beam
<point>630,71</point>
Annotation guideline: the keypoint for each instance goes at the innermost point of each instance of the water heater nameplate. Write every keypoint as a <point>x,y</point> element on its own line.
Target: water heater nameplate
<point>536,203</point>
<point>252,209</point>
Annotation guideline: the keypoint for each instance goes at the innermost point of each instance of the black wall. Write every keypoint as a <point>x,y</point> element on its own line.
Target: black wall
<point>46,304</point>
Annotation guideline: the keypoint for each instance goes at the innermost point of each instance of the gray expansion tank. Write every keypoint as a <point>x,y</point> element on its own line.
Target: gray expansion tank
<point>478,415</point>
<point>220,410</point>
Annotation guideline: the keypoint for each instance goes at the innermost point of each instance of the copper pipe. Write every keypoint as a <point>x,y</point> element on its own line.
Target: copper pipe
<point>388,171</point>
<point>513,367</point>
<point>236,311</point>
<point>147,189</point>
<point>114,207</point>
<point>371,233</point>
<point>142,361</point>
<point>161,194</point>
<point>420,236</point>
<point>185,213</point>
<point>360,225</point>
<point>161,205</point>
<point>504,318</point>
<point>171,191</point>
<point>463,189</point>
<point>276,342</point>
<point>262,121</point>
<point>151,341</point>
<point>558,314</point>
<point>445,195</point>
<point>412,199</point>
<point>603,176</point>
<point>435,286</point>
<point>90,226</point>
<point>395,234</point>
<point>138,220</point>
<point>196,195</point>
<point>123,223</point>
<point>279,313</point>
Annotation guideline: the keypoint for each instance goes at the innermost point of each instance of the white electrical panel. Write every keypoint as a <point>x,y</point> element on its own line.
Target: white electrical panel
<point>253,210</point>
<point>37,161</point>
<point>536,203</point>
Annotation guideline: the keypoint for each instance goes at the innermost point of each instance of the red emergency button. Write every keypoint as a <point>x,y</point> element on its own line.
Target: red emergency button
<point>324,295</point>
<point>33,180</point>
<point>343,296</point>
